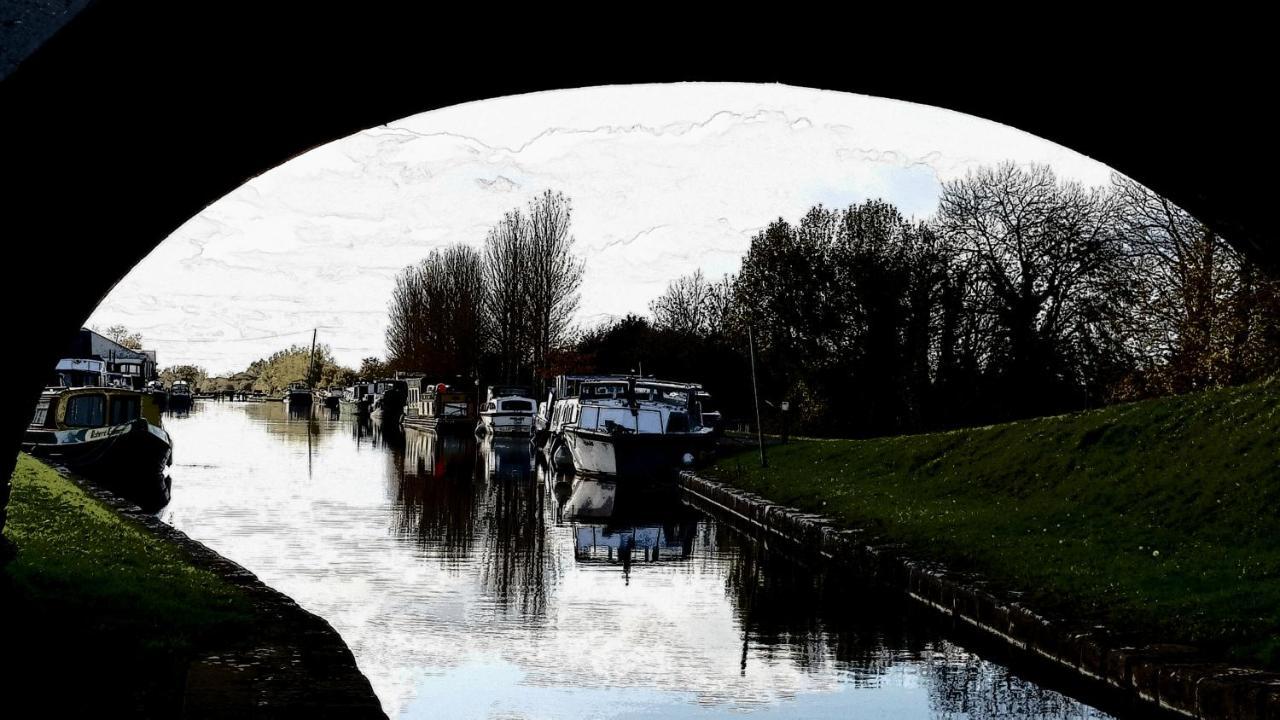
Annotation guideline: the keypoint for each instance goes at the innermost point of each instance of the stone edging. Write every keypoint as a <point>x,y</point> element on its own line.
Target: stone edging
<point>1171,676</point>
<point>295,664</point>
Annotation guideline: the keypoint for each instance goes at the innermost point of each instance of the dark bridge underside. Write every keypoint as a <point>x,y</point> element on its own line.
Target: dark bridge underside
<point>129,121</point>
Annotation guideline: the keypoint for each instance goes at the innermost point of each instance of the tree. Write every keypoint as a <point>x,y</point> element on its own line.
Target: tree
<point>692,305</point>
<point>194,375</point>
<point>1202,315</point>
<point>531,285</point>
<point>1043,253</point>
<point>506,268</point>
<point>555,274</point>
<point>121,335</point>
<point>437,320</point>
<point>372,367</point>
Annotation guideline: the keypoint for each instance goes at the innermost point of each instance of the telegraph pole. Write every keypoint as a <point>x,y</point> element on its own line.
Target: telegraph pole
<point>755,392</point>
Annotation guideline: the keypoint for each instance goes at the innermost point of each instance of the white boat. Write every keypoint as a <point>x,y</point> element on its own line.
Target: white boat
<point>631,426</point>
<point>508,410</point>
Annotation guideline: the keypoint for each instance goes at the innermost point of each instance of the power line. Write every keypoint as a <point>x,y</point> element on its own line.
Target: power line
<point>147,338</point>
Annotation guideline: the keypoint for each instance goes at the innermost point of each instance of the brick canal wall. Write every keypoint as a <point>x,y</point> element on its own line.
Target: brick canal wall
<point>1174,677</point>
<point>295,664</point>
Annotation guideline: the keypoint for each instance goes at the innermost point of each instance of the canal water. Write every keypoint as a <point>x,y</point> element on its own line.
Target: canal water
<point>469,583</point>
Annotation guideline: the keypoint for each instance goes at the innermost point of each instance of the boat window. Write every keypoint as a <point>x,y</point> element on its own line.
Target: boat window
<point>42,412</point>
<point>517,405</point>
<point>86,411</point>
<point>617,416</point>
<point>588,418</point>
<point>649,421</point>
<point>123,409</point>
<point>677,422</point>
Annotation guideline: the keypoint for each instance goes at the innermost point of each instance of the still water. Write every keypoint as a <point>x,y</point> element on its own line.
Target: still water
<point>470,584</point>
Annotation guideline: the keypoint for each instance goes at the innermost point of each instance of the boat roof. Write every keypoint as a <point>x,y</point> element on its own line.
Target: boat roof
<point>85,389</point>
<point>640,382</point>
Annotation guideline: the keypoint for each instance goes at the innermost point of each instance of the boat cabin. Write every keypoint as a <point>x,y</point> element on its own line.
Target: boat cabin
<point>93,407</point>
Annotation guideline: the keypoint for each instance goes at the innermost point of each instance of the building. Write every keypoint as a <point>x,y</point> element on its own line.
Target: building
<point>118,364</point>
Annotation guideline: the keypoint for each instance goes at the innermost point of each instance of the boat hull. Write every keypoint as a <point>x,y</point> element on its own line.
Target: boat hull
<point>359,408</point>
<point>131,459</point>
<point>632,455</point>
<point>507,423</point>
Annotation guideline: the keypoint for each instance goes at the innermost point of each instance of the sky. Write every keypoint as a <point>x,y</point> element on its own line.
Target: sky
<point>664,180</point>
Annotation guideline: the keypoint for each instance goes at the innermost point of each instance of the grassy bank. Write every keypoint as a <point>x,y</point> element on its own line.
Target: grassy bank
<point>1162,516</point>
<point>96,606</point>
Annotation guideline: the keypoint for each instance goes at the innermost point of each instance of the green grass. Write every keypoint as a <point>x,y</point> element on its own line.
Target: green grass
<point>1160,517</point>
<point>95,596</point>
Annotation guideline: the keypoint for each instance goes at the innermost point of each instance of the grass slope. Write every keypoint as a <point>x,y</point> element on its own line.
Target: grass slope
<point>97,603</point>
<point>1162,517</point>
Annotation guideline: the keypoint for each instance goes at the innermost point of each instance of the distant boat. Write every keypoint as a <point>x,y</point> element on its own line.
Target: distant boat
<point>179,396</point>
<point>112,434</point>
<point>508,410</point>
<point>389,397</point>
<point>332,397</point>
<point>438,407</point>
<point>356,400</point>
<point>298,395</point>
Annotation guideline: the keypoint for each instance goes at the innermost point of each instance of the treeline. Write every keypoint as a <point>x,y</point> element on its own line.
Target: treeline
<point>500,312</point>
<point>273,374</point>
<point>1023,295</point>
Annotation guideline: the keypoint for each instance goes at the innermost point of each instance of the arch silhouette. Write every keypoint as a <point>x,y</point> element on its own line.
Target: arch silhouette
<point>131,119</point>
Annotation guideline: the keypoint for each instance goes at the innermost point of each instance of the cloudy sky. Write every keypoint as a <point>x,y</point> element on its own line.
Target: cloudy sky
<point>664,179</point>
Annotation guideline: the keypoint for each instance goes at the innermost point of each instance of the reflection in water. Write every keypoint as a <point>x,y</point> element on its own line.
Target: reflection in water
<point>470,583</point>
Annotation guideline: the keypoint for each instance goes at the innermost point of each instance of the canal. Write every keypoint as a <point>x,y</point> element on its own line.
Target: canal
<point>469,583</point>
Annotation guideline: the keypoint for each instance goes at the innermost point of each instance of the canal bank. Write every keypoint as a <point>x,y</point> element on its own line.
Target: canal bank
<point>110,609</point>
<point>1081,538</point>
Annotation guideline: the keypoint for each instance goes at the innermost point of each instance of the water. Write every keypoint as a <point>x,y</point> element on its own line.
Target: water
<point>469,584</point>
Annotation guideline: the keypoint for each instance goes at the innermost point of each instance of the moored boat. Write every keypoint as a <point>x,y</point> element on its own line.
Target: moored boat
<point>508,410</point>
<point>388,401</point>
<point>298,395</point>
<point>111,434</point>
<point>332,397</point>
<point>438,407</point>
<point>634,427</point>
<point>180,396</point>
<point>356,400</point>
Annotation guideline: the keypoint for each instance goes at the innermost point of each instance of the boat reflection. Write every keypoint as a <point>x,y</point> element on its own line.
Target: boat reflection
<point>627,524</point>
<point>507,458</point>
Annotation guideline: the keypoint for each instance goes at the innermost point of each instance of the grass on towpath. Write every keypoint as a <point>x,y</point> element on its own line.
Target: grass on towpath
<point>1160,517</point>
<point>95,604</point>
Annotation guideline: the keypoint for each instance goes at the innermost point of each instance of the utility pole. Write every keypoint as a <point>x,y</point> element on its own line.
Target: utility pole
<point>755,392</point>
<point>312,361</point>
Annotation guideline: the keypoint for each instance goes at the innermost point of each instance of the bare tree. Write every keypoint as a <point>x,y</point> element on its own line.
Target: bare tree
<point>690,305</point>
<point>506,270</point>
<point>436,321</point>
<point>1042,252</point>
<point>554,276</point>
<point>1201,315</point>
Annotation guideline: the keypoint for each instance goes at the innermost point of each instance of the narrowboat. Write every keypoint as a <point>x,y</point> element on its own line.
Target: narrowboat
<point>438,407</point>
<point>508,410</point>
<point>356,400</point>
<point>111,434</point>
<point>388,400</point>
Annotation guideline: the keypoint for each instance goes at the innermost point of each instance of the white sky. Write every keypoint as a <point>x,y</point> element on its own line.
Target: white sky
<point>664,179</point>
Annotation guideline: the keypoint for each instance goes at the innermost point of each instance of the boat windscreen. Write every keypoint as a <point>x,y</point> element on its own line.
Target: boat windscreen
<point>86,411</point>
